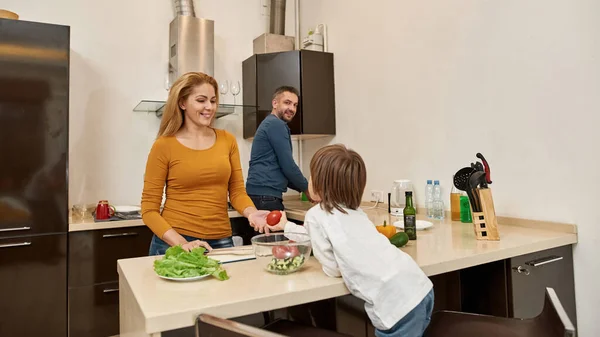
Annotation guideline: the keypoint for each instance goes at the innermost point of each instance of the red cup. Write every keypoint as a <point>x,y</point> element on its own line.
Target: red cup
<point>104,211</point>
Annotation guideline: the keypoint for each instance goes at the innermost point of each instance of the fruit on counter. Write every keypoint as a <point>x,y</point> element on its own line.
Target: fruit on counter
<point>386,230</point>
<point>273,218</point>
<point>284,252</point>
<point>181,264</point>
<point>399,239</point>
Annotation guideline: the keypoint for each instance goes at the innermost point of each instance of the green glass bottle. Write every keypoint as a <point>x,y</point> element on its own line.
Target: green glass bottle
<point>410,217</point>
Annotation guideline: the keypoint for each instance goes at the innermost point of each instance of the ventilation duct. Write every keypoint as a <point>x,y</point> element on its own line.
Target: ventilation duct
<point>184,7</point>
<point>274,40</point>
<point>277,17</point>
<point>191,42</point>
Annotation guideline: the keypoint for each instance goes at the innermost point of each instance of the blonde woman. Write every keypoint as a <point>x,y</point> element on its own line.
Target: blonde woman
<point>200,166</point>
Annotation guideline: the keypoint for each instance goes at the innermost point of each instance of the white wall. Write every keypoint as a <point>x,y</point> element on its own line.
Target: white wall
<point>422,86</point>
<point>119,55</point>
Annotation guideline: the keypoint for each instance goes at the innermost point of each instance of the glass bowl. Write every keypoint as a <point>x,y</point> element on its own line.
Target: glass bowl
<point>280,253</point>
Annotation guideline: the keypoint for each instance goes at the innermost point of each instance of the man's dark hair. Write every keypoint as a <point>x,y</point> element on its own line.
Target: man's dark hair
<point>285,88</point>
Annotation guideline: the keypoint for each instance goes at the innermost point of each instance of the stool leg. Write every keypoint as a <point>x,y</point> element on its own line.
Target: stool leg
<point>268,316</point>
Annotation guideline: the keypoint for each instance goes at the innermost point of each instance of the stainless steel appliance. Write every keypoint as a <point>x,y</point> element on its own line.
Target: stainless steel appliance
<point>191,42</point>
<point>34,125</point>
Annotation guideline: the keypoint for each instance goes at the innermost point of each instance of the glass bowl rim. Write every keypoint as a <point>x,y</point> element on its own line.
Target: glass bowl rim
<point>304,242</point>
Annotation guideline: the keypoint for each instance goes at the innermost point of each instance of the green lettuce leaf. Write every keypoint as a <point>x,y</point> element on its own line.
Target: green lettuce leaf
<point>178,263</point>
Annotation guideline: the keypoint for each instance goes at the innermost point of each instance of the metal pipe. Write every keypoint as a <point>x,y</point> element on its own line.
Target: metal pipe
<point>300,154</point>
<point>277,17</point>
<point>325,38</point>
<point>184,7</point>
<point>297,23</point>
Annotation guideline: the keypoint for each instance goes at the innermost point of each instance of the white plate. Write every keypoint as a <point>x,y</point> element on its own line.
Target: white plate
<point>183,279</point>
<point>127,209</point>
<point>421,224</point>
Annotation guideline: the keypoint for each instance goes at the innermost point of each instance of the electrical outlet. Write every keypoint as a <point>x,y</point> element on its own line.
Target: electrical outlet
<point>377,196</point>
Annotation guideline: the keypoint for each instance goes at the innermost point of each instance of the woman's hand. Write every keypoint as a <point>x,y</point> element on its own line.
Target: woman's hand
<point>280,226</point>
<point>258,220</point>
<point>188,246</point>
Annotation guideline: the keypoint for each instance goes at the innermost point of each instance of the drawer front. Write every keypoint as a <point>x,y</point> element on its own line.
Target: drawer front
<point>532,273</point>
<point>33,286</point>
<point>93,254</point>
<point>94,310</point>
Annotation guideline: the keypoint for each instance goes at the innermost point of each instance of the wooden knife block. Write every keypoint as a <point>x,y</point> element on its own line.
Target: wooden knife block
<point>485,223</point>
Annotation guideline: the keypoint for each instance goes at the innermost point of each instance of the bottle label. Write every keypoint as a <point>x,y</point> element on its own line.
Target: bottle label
<point>410,226</point>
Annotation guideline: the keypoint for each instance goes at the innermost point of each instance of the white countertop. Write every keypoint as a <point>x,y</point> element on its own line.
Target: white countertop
<point>448,246</point>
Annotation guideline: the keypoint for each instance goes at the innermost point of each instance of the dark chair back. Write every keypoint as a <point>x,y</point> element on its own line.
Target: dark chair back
<point>554,318</point>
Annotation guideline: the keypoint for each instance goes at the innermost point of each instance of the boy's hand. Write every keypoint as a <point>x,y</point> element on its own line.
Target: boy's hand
<point>281,225</point>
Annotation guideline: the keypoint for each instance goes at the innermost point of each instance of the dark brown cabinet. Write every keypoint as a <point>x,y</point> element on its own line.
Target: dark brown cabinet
<point>94,310</point>
<point>310,72</point>
<point>529,276</point>
<point>93,277</point>
<point>33,286</point>
<point>93,254</point>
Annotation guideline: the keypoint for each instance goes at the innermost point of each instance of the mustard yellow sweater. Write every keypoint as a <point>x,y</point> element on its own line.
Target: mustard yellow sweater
<point>197,183</point>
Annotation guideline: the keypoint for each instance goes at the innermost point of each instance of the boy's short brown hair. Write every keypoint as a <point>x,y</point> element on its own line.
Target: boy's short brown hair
<point>339,177</point>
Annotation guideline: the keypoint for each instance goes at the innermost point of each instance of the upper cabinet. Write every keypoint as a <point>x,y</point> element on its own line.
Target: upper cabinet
<point>311,72</point>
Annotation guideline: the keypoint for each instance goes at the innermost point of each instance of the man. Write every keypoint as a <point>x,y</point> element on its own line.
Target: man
<point>272,167</point>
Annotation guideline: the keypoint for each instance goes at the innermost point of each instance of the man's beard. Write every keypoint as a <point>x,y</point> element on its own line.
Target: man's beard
<point>281,115</point>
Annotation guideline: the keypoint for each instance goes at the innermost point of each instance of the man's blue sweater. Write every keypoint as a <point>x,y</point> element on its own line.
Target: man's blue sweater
<point>272,167</point>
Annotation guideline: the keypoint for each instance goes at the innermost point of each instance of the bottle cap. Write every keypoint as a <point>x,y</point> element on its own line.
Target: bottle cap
<point>408,193</point>
<point>428,181</point>
<point>436,182</point>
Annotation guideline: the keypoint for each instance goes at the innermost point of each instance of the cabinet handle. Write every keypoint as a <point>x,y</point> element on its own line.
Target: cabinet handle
<point>544,260</point>
<point>522,270</point>
<point>20,244</point>
<point>15,229</point>
<point>119,235</point>
<point>110,290</point>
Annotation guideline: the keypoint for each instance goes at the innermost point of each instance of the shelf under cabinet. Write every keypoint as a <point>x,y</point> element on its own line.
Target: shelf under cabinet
<point>157,107</point>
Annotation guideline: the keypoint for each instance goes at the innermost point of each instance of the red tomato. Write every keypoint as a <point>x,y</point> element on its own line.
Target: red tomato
<point>280,252</point>
<point>273,218</point>
<point>294,251</point>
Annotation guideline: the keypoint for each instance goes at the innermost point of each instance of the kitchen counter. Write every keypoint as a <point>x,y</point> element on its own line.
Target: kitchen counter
<point>146,301</point>
<point>88,225</point>
<point>296,211</point>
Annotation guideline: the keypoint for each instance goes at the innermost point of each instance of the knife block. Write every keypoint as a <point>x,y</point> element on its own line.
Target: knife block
<point>485,223</point>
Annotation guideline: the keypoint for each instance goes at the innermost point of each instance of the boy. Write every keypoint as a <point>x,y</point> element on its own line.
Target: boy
<point>398,295</point>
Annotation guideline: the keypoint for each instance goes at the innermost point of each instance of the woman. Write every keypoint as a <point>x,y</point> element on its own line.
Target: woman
<point>199,165</point>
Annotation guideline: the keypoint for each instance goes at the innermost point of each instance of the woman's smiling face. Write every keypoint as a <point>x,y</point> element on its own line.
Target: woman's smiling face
<point>200,106</point>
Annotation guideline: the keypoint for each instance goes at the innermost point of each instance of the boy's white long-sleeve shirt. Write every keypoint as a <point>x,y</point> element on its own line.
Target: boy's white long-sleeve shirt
<point>348,245</point>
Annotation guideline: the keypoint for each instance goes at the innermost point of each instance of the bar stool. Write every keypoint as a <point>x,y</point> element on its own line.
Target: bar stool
<point>211,326</point>
<point>553,321</point>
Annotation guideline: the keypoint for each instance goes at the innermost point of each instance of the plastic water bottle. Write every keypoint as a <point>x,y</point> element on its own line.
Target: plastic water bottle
<point>438,203</point>
<point>429,199</point>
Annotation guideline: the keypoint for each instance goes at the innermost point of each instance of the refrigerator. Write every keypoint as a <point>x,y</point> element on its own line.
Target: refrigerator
<point>34,129</point>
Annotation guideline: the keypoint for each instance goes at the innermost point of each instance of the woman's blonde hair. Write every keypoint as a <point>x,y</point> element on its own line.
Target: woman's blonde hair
<point>172,118</point>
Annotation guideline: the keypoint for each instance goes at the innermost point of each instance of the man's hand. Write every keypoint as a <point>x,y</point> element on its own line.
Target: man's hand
<point>311,198</point>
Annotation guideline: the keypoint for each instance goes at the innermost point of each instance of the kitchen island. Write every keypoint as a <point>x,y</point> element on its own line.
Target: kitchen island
<point>150,305</point>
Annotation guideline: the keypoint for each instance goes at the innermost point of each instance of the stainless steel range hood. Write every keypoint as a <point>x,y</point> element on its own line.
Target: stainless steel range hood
<point>191,42</point>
